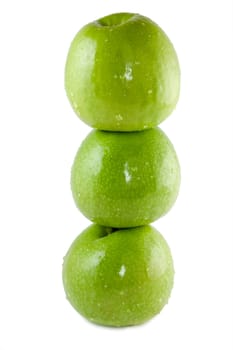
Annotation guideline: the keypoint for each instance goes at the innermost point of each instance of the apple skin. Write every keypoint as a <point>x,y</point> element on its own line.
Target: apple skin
<point>122,73</point>
<point>125,179</point>
<point>118,278</point>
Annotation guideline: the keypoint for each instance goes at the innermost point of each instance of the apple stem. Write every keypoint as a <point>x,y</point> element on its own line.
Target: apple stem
<point>110,230</point>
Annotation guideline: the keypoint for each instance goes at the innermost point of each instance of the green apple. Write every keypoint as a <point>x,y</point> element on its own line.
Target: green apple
<point>122,73</point>
<point>125,179</point>
<point>118,277</point>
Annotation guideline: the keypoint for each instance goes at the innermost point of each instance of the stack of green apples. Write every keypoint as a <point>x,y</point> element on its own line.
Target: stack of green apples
<point>122,78</point>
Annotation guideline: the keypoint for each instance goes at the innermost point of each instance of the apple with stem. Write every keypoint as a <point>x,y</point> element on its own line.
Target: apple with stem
<point>118,277</point>
<point>122,73</point>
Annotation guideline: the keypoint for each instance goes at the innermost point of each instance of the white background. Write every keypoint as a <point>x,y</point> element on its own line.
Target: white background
<point>39,136</point>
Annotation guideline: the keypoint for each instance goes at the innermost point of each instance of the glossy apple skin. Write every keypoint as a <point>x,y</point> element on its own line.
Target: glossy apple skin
<point>122,73</point>
<point>125,179</point>
<point>119,278</point>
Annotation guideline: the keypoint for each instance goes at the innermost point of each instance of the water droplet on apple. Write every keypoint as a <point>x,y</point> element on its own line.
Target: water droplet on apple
<point>160,88</point>
<point>119,117</point>
<point>127,174</point>
<point>128,72</point>
<point>76,107</point>
<point>122,271</point>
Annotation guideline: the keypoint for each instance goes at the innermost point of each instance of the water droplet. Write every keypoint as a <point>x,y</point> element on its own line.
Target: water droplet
<point>119,117</point>
<point>127,174</point>
<point>122,271</point>
<point>128,72</point>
